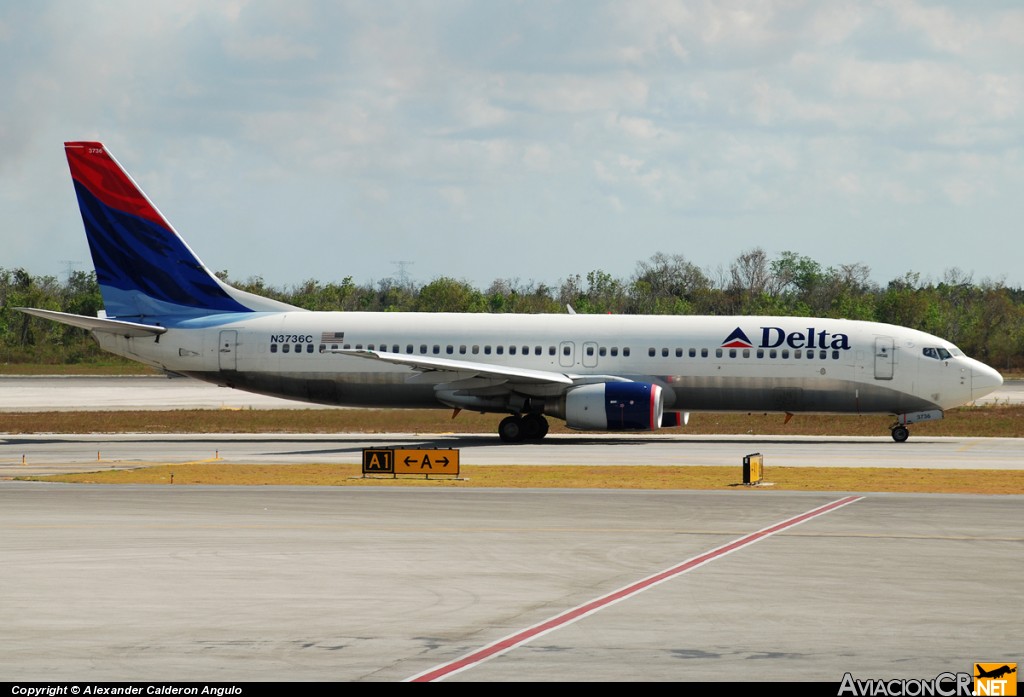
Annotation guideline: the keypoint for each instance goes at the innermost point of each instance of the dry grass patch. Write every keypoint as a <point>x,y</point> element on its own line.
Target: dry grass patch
<point>989,421</point>
<point>573,477</point>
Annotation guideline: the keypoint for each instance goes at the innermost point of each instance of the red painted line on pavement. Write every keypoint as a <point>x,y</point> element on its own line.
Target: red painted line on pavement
<point>510,642</point>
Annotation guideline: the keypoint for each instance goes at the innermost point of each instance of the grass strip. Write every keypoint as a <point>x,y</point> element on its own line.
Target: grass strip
<point>854,479</point>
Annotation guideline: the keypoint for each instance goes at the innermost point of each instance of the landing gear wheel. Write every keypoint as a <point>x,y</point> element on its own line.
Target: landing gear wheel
<point>535,427</point>
<point>900,433</point>
<point>510,430</point>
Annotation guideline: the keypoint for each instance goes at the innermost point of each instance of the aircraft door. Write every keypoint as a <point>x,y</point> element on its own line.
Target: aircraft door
<point>884,357</point>
<point>589,354</point>
<point>567,354</point>
<point>227,350</point>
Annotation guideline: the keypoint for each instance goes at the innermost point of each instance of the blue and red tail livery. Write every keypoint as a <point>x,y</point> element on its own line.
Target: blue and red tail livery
<point>143,267</point>
<point>95,169</point>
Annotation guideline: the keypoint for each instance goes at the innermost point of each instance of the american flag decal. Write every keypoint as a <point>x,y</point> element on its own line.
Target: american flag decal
<point>328,337</point>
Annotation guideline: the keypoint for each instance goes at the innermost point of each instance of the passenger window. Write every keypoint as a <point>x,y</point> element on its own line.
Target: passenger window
<point>693,353</point>
<point>334,347</point>
<point>822,354</point>
<point>732,353</point>
<point>449,349</point>
<point>309,348</point>
<point>835,355</point>
<point>760,353</point>
<point>285,348</point>
<point>615,350</point>
<point>602,351</point>
<point>273,348</point>
<point>664,353</point>
<point>487,349</point>
<point>437,349</point>
<point>798,353</point>
<point>551,350</point>
<point>538,350</point>
<point>590,350</point>
<point>773,354</point>
<point>462,349</point>
<point>526,350</point>
<point>651,352</point>
<point>565,350</point>
<point>746,353</point>
<point>476,349</point>
<point>511,350</point>
<point>785,353</point>
<point>704,353</point>
<point>625,351</point>
<point>718,353</point>
<point>499,350</point>
<point>408,348</point>
<point>423,348</point>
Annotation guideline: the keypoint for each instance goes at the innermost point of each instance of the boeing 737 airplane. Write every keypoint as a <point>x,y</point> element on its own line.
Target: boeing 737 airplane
<point>164,308</point>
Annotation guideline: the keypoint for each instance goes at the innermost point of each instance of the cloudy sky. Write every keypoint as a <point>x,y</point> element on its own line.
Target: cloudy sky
<point>527,140</point>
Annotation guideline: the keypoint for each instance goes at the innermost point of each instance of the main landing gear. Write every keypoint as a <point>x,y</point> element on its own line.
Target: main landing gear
<point>516,428</point>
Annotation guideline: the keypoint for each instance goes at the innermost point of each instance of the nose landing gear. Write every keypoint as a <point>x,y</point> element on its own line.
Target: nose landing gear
<point>900,433</point>
<point>899,430</point>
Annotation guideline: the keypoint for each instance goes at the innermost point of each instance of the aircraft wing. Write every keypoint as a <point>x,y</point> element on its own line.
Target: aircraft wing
<point>463,368</point>
<point>96,324</point>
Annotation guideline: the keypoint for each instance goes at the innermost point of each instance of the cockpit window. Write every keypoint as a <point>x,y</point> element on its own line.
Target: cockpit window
<point>939,354</point>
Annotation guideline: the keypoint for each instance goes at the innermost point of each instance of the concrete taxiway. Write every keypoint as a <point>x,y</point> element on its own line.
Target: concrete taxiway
<point>38,454</point>
<point>339,584</point>
<point>199,583</point>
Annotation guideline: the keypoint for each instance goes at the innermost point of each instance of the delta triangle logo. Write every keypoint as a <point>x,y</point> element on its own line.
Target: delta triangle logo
<point>737,340</point>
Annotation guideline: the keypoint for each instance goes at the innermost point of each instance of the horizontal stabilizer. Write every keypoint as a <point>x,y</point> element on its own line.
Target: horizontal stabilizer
<point>96,324</point>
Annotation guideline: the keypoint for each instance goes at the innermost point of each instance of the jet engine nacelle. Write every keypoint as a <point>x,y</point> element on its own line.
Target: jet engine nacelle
<point>614,406</point>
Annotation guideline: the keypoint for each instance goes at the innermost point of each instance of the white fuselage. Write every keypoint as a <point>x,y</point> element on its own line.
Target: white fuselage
<point>784,364</point>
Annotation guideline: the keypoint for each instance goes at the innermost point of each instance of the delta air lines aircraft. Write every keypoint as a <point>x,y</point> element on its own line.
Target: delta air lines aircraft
<point>164,308</point>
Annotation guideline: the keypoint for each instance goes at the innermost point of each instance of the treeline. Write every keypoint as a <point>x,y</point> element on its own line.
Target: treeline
<point>985,319</point>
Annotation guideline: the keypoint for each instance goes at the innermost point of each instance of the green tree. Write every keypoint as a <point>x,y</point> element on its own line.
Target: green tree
<point>446,294</point>
<point>666,285</point>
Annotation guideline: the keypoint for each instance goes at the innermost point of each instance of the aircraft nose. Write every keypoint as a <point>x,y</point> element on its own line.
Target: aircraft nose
<point>984,380</point>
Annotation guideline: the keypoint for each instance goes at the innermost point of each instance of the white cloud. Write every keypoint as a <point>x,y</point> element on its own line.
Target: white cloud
<point>688,114</point>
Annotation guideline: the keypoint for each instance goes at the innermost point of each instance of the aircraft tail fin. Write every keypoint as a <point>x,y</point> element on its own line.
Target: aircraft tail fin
<point>143,267</point>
